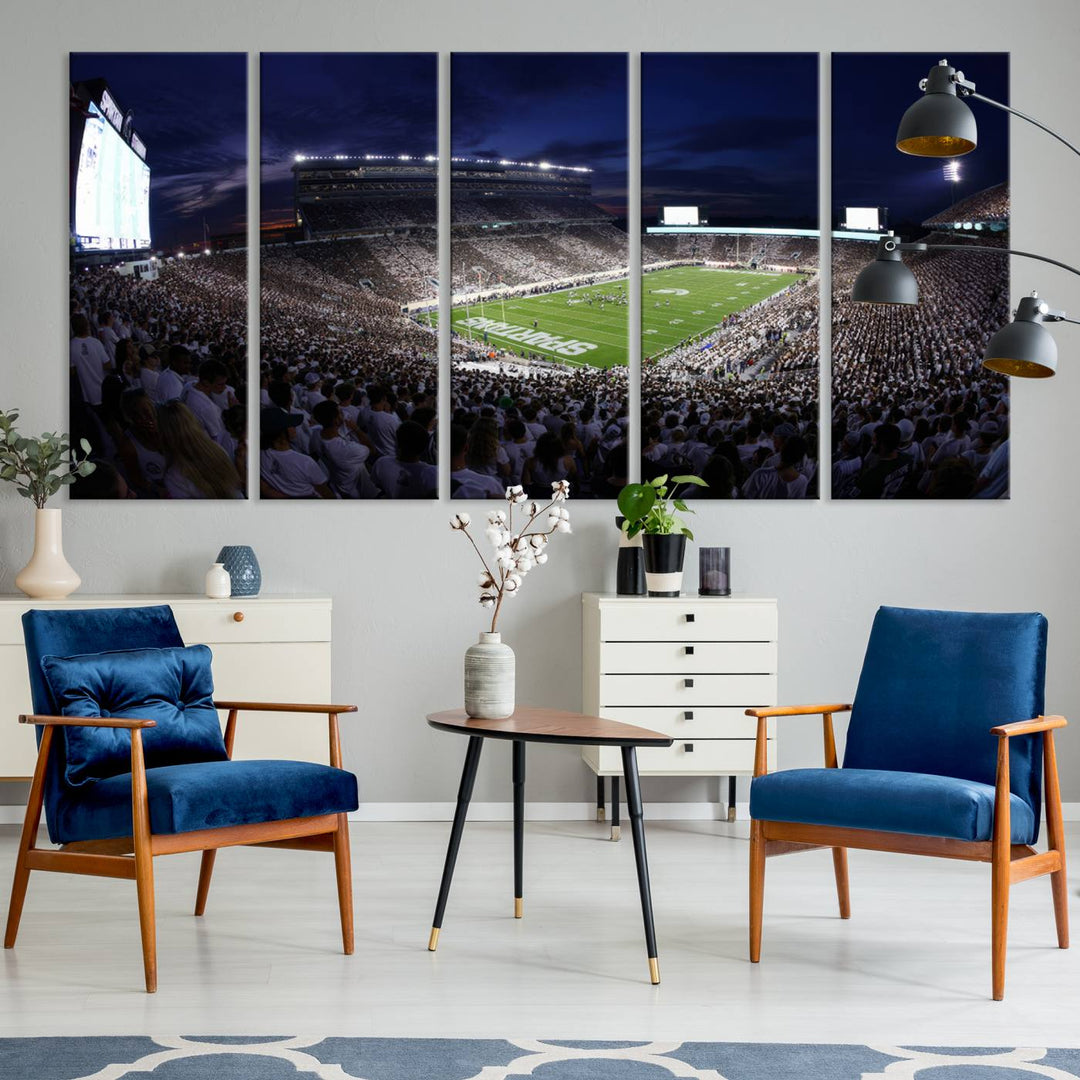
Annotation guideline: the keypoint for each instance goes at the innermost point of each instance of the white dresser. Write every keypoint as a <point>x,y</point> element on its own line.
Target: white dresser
<point>266,648</point>
<point>686,666</point>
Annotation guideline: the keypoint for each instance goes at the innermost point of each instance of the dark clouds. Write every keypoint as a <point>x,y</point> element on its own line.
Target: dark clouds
<point>191,111</point>
<point>735,133</point>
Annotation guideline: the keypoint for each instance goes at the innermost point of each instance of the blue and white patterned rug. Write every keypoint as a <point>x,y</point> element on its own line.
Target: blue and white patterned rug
<point>286,1058</point>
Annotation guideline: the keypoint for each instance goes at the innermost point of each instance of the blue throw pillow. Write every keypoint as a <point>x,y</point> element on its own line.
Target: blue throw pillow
<point>172,686</point>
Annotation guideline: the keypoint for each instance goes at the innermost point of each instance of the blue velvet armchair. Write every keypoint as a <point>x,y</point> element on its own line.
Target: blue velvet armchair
<point>947,752</point>
<point>132,763</point>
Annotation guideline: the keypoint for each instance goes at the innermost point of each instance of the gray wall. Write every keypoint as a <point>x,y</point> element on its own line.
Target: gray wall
<point>402,584</point>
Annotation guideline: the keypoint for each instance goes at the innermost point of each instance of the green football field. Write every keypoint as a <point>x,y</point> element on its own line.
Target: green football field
<point>676,304</point>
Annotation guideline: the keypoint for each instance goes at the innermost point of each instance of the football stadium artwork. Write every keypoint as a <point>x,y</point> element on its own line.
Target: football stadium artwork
<point>349,263</point>
<point>914,413</point>
<point>729,292</point>
<point>539,254</point>
<point>158,273</point>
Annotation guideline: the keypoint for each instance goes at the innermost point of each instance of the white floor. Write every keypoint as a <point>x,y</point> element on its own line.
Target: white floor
<point>911,966</point>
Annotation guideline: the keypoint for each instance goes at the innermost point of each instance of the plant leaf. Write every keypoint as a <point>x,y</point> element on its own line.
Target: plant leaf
<point>689,480</point>
<point>635,501</point>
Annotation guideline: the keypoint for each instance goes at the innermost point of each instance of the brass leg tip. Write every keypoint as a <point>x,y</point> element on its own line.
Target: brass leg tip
<point>519,907</point>
<point>600,813</point>
<point>654,971</point>
<point>433,940</point>
<point>616,832</point>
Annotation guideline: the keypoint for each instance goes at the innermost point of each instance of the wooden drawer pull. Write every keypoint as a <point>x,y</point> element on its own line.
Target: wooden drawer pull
<point>688,684</point>
<point>238,616</point>
<point>689,650</point>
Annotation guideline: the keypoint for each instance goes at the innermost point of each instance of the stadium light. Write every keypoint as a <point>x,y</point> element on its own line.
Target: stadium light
<point>1023,347</point>
<point>941,124</point>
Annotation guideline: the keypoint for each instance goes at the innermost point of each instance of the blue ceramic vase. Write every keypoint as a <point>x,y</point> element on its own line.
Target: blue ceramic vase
<point>243,569</point>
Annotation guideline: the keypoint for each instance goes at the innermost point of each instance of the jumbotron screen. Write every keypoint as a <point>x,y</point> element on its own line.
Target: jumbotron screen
<point>863,218</point>
<point>679,215</point>
<point>112,190</point>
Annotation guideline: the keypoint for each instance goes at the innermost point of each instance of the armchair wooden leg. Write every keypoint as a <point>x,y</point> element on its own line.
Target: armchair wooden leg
<point>1055,829</point>
<point>27,841</point>
<point>206,871</point>
<point>1000,870</point>
<point>144,861</point>
<point>757,887</point>
<point>839,858</point>
<point>343,866</point>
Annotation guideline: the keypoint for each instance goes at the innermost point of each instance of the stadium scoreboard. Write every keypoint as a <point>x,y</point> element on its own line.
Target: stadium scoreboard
<point>680,215</point>
<point>865,218</point>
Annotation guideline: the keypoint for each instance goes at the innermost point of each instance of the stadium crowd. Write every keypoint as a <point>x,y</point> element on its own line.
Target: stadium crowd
<point>158,379</point>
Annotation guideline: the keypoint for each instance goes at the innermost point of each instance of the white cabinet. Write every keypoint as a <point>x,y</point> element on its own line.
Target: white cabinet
<point>687,666</point>
<point>266,648</point>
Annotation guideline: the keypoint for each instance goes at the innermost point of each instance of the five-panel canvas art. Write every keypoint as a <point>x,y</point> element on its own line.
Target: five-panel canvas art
<point>734,242</point>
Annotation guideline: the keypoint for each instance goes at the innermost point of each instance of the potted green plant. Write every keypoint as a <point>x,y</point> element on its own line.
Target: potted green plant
<point>649,511</point>
<point>39,467</point>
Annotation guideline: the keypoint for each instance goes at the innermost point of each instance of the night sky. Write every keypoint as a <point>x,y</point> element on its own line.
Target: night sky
<point>190,109</point>
<point>733,133</point>
<point>871,91</point>
<point>566,108</point>
<point>341,103</point>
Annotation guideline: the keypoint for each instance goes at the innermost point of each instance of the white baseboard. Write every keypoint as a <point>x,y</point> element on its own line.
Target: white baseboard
<point>12,814</point>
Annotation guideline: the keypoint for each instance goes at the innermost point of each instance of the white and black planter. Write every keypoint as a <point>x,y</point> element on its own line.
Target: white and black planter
<point>664,555</point>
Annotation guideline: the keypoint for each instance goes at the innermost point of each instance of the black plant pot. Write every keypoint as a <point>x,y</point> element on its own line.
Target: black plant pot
<point>664,555</point>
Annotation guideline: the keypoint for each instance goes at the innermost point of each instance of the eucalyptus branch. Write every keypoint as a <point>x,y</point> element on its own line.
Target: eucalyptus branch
<point>39,467</point>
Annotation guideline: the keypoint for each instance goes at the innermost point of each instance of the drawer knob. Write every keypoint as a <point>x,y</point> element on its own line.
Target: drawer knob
<point>688,747</point>
<point>689,649</point>
<point>689,616</point>
<point>238,616</point>
<point>688,715</point>
<point>688,683</point>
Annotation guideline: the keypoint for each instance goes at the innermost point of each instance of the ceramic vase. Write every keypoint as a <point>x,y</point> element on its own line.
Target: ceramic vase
<point>630,569</point>
<point>244,573</point>
<point>48,575</point>
<point>664,555</point>
<point>218,582</point>
<point>489,678</point>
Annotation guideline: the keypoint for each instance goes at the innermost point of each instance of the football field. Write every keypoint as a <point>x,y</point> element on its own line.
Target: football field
<point>578,326</point>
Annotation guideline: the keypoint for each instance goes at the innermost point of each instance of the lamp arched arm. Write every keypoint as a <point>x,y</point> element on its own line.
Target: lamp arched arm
<point>1023,116</point>
<point>990,250</point>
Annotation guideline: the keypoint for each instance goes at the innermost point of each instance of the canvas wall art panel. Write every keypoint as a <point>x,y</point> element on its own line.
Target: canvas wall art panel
<point>729,294</point>
<point>914,413</point>
<point>158,273</point>
<point>539,254</point>
<point>348,361</point>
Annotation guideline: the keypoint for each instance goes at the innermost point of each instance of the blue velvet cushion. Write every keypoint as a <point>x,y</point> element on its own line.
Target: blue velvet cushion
<point>172,686</point>
<point>888,801</point>
<point>209,795</point>
<point>933,683</point>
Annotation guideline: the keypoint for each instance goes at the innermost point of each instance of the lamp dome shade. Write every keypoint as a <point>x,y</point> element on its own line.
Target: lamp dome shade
<point>1024,348</point>
<point>885,281</point>
<point>939,124</point>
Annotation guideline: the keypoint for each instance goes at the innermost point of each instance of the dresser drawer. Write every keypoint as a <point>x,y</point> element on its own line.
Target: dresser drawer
<point>688,620</point>
<point>686,691</point>
<point>215,621</point>
<point>691,723</point>
<point>709,757</point>
<point>688,657</point>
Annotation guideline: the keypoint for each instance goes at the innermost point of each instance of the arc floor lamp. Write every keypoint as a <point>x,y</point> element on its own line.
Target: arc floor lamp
<point>941,124</point>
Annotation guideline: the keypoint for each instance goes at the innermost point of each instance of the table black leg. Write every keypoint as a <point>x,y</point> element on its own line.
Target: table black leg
<point>615,800</point>
<point>519,825</point>
<point>731,798</point>
<point>468,778</point>
<point>637,827</point>
<point>600,800</point>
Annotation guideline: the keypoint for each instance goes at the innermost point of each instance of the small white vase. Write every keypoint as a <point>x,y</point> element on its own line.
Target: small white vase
<point>489,678</point>
<point>48,575</point>
<point>218,582</point>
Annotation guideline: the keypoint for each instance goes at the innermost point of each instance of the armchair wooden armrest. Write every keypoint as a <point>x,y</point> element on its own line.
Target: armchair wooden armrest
<point>1029,727</point>
<point>331,711</point>
<point>761,766</point>
<point>87,721</point>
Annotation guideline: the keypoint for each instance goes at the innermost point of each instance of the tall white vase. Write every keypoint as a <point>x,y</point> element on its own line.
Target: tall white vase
<point>48,575</point>
<point>489,678</point>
